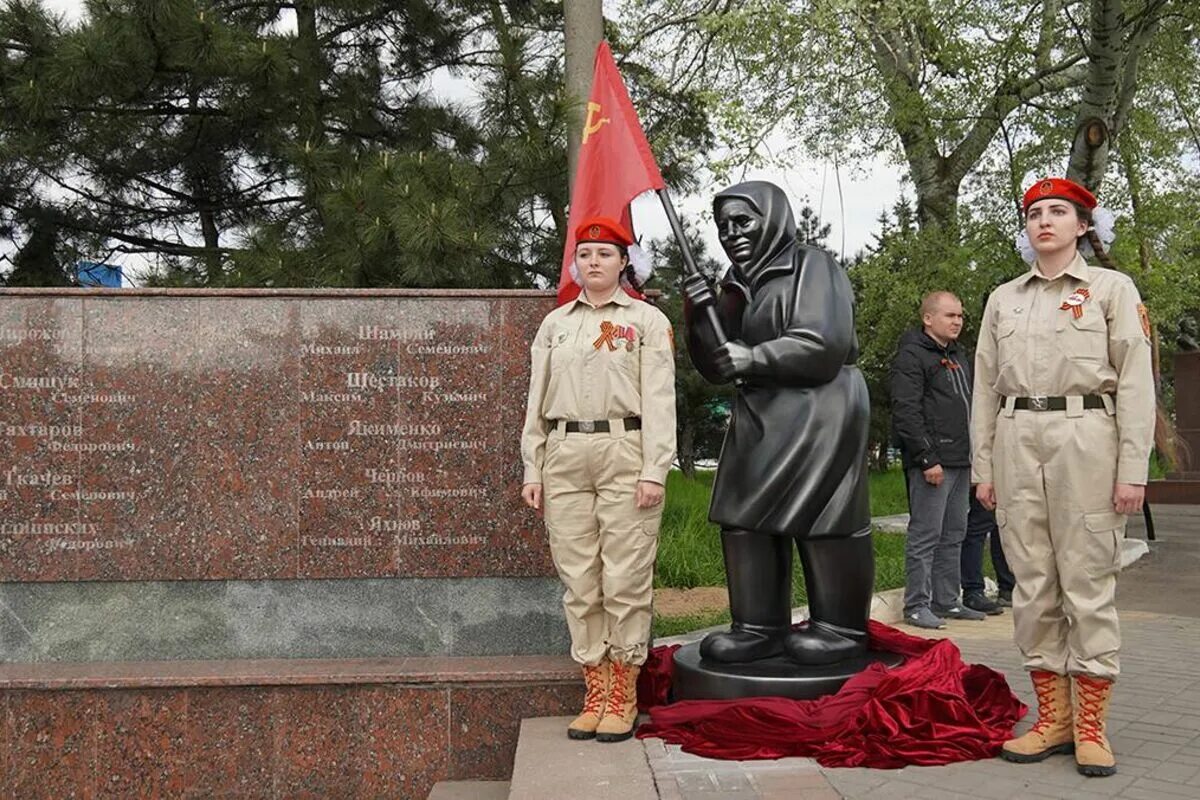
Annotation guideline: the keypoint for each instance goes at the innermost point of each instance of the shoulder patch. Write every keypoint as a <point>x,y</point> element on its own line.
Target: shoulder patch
<point>1144,317</point>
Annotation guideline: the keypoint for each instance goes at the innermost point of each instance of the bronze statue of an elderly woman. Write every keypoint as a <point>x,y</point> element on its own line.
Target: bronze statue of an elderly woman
<point>793,466</point>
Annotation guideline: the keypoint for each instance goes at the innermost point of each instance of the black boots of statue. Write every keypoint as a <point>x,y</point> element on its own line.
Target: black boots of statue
<point>758,570</point>
<point>839,575</point>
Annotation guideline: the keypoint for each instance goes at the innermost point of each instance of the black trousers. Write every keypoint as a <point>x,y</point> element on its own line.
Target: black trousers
<point>981,524</point>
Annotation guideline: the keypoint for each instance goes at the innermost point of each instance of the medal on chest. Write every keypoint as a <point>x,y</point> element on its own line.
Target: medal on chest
<point>615,336</point>
<point>1075,301</point>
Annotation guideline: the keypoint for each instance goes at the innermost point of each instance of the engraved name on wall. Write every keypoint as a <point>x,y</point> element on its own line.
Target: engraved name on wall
<point>184,438</point>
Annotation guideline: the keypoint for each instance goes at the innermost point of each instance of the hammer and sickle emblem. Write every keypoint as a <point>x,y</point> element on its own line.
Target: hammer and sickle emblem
<point>594,121</point>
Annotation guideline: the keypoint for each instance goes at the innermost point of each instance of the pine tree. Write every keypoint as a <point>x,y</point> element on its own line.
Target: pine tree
<point>231,151</point>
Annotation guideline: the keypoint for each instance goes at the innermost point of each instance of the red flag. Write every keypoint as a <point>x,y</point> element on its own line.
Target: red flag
<point>615,163</point>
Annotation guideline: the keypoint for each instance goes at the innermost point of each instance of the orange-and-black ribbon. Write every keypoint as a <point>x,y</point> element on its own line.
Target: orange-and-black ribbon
<point>608,332</point>
<point>1075,302</point>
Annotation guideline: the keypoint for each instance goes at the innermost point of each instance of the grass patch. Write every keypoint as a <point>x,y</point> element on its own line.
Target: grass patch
<point>686,623</point>
<point>889,495</point>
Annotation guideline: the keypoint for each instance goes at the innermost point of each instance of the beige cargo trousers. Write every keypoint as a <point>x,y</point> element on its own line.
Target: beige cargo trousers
<point>1054,473</point>
<point>603,545</point>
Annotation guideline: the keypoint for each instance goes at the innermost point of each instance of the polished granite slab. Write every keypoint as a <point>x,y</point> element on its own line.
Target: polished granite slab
<point>264,434</point>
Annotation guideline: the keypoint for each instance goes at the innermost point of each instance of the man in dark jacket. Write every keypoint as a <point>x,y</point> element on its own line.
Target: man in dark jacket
<point>931,415</point>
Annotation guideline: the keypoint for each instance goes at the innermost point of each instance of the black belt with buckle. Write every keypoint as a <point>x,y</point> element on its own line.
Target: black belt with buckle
<point>598,425</point>
<point>1050,403</point>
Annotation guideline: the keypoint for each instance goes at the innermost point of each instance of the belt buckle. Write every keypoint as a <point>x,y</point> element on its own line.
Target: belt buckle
<point>587,426</point>
<point>1039,403</point>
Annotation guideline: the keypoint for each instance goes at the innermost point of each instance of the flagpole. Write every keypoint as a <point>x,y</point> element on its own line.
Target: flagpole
<point>689,262</point>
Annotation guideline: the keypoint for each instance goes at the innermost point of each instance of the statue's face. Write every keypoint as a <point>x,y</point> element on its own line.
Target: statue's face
<point>740,229</point>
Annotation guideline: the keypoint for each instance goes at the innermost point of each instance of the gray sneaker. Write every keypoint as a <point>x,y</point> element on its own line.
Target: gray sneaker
<point>960,612</point>
<point>924,618</point>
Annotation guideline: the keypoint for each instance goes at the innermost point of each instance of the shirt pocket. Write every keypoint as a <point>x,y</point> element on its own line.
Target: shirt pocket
<point>1008,345</point>
<point>629,357</point>
<point>1084,338</point>
<point>562,349</point>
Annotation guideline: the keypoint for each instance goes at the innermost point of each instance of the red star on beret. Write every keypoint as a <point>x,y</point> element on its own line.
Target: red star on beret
<point>602,229</point>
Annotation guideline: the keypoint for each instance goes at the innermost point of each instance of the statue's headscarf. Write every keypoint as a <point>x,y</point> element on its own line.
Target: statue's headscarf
<point>779,226</point>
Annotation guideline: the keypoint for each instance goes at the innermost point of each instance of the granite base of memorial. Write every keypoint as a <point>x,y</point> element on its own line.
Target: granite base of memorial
<point>266,543</point>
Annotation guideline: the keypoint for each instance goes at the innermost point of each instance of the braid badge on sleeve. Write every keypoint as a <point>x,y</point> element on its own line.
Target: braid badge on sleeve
<point>1075,302</point>
<point>1144,317</point>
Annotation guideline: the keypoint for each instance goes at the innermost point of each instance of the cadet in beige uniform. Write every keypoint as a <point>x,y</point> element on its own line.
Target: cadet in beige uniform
<point>598,441</point>
<point>1063,419</point>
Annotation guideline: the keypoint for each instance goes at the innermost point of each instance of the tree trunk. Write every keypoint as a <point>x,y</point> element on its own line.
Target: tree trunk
<point>583,28</point>
<point>1093,118</point>
<point>687,449</point>
<point>937,203</point>
<point>310,64</point>
<point>1113,57</point>
<point>881,456</point>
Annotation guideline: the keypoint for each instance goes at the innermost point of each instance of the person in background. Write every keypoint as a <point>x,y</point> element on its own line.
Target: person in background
<point>931,415</point>
<point>1063,423</point>
<point>983,533</point>
<point>598,441</point>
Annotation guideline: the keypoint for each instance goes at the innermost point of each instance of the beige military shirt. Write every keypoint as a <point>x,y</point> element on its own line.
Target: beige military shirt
<point>1032,342</point>
<point>608,361</point>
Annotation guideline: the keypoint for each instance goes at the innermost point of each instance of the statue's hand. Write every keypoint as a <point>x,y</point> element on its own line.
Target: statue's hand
<point>733,360</point>
<point>697,291</point>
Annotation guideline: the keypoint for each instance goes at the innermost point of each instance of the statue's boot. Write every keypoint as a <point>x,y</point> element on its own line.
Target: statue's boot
<point>758,569</point>
<point>839,575</point>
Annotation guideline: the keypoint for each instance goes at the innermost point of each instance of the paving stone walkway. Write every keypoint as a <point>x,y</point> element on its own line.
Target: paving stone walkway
<point>1154,721</point>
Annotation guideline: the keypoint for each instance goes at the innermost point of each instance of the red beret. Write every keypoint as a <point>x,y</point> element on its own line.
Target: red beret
<point>1060,188</point>
<point>603,229</point>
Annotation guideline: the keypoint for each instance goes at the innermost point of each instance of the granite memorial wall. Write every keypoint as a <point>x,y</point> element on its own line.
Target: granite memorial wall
<point>268,473</point>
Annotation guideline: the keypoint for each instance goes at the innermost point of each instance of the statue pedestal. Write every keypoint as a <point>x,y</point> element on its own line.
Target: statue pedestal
<point>699,679</point>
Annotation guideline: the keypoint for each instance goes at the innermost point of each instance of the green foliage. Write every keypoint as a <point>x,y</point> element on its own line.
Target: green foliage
<point>904,265</point>
<point>214,141</point>
<point>889,492</point>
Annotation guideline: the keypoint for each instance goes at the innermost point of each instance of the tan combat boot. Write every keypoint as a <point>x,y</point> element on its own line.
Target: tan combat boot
<point>621,709</point>
<point>596,680</point>
<point>1093,754</point>
<point>1052,732</point>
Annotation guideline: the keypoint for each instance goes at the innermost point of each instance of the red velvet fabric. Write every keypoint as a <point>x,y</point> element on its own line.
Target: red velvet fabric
<point>932,709</point>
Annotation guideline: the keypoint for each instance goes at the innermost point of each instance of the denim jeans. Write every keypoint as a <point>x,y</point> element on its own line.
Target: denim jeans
<point>937,523</point>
